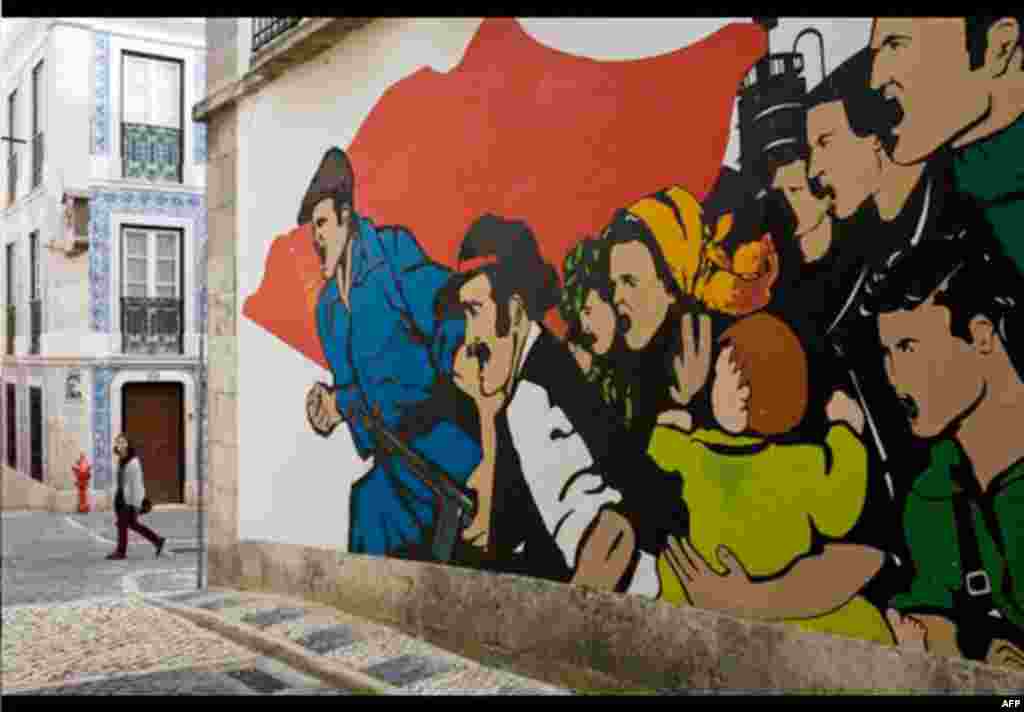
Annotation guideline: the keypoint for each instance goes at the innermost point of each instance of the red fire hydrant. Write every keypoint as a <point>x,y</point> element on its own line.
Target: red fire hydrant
<point>83,473</point>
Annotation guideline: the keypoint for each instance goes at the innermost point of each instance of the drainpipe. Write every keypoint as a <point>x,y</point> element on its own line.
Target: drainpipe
<point>201,440</point>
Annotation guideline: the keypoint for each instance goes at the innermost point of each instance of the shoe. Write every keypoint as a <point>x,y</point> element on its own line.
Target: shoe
<point>116,557</point>
<point>160,546</point>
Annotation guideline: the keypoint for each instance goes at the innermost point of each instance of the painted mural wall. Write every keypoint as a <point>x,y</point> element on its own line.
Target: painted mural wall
<point>724,313</point>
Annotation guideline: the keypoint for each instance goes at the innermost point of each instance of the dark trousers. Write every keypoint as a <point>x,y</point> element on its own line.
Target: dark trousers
<point>128,518</point>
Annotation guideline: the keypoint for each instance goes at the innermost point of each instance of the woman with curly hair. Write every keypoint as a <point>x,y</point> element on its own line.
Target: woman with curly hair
<point>594,335</point>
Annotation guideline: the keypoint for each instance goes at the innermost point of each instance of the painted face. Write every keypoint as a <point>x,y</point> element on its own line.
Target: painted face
<point>847,166</point>
<point>495,354</point>
<point>729,395</point>
<point>466,372</point>
<point>330,236</point>
<point>923,63</point>
<point>811,211</point>
<point>598,321</point>
<point>936,375</point>
<point>641,298</point>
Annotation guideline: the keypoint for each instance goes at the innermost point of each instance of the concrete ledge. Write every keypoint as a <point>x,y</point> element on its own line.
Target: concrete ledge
<point>576,637</point>
<point>294,655</point>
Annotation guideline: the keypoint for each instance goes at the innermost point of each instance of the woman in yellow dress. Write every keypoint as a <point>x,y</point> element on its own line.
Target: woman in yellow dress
<point>758,501</point>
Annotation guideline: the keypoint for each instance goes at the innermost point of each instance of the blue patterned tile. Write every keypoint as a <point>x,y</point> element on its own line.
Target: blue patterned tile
<point>101,95</point>
<point>102,378</point>
<point>199,127</point>
<point>189,206</point>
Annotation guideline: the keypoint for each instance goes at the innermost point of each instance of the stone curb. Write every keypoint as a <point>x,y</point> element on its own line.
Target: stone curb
<point>294,655</point>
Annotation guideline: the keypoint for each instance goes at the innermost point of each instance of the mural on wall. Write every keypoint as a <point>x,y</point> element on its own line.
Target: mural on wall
<point>577,346</point>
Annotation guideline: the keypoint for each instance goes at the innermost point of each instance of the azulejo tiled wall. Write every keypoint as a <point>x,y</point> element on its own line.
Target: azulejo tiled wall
<point>101,95</point>
<point>199,127</point>
<point>102,377</point>
<point>145,203</point>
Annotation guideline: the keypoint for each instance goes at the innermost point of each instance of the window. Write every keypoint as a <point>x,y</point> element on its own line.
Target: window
<point>265,29</point>
<point>12,432</point>
<point>11,308</point>
<point>35,410</point>
<point>34,299</point>
<point>151,289</point>
<point>152,262</point>
<point>151,127</point>
<point>12,155</point>
<point>38,93</point>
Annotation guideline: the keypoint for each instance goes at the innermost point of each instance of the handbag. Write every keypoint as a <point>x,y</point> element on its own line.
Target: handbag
<point>147,506</point>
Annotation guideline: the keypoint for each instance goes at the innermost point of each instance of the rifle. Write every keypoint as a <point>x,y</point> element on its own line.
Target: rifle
<point>455,505</point>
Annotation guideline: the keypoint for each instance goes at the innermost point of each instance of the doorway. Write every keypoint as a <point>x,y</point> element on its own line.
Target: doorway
<point>153,420</point>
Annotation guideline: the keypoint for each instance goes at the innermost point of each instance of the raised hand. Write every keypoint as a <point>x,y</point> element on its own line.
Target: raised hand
<point>693,363</point>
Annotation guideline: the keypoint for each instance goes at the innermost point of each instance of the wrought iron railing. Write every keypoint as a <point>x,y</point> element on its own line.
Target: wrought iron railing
<point>265,29</point>
<point>12,323</point>
<point>35,322</point>
<point>38,155</point>
<point>151,152</point>
<point>12,178</point>
<point>151,325</point>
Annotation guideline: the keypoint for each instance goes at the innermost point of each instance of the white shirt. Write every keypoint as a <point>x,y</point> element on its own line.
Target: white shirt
<point>558,470</point>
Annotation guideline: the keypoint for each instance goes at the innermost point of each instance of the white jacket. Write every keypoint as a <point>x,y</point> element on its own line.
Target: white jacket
<point>134,489</point>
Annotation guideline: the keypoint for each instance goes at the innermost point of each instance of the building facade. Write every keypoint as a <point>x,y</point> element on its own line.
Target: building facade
<point>104,231</point>
<point>660,308</point>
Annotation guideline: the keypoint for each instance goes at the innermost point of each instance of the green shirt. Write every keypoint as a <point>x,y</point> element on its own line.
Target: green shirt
<point>992,172</point>
<point>930,529</point>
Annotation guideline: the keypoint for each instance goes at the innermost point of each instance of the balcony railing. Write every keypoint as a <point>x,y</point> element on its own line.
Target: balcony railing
<point>265,29</point>
<point>151,325</point>
<point>12,324</point>
<point>12,178</point>
<point>38,155</point>
<point>151,152</point>
<point>35,322</point>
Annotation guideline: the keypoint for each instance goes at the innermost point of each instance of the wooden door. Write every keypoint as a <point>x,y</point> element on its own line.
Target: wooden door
<point>153,423</point>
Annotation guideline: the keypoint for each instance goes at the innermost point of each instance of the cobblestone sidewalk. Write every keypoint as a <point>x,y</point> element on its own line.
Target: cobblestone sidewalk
<point>390,661</point>
<point>228,642</point>
<point>65,643</point>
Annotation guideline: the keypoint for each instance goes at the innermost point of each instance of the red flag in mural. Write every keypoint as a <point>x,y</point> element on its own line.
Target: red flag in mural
<point>528,132</point>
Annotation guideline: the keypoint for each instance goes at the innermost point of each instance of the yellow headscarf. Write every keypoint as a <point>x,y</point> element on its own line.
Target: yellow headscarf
<point>676,219</point>
<point>736,284</point>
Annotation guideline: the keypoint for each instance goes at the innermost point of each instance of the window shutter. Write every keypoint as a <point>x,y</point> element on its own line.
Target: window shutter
<point>165,96</point>
<point>136,89</point>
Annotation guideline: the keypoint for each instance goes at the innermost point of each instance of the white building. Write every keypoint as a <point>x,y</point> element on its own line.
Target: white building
<point>103,225</point>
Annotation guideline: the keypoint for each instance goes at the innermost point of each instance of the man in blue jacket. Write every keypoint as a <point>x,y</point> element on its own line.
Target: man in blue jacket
<point>376,325</point>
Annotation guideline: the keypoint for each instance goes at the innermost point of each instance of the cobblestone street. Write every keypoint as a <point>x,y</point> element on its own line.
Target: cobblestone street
<point>50,558</point>
<point>77,624</point>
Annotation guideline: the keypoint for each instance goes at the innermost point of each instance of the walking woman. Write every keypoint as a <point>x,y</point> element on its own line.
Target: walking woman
<point>128,499</point>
